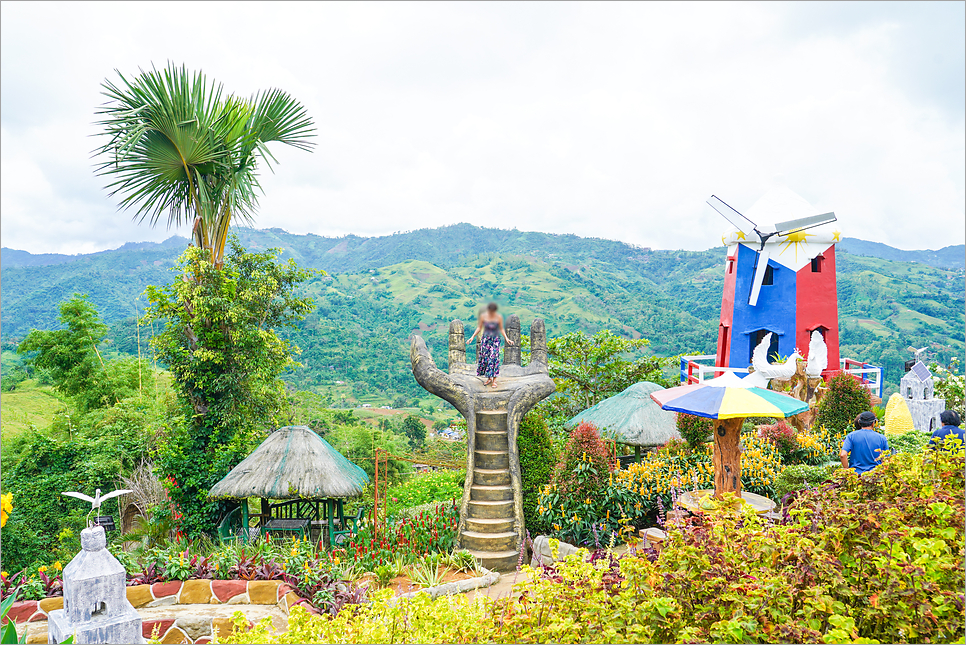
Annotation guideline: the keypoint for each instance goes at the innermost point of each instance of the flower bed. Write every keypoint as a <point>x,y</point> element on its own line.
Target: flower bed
<point>871,558</point>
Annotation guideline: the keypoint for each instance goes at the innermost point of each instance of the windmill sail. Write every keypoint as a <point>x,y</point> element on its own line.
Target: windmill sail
<point>736,219</point>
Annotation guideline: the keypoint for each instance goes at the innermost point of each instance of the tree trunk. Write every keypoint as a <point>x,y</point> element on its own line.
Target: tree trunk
<point>727,456</point>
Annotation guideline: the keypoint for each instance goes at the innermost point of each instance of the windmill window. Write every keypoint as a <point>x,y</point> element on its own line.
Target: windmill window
<point>817,264</point>
<point>769,278</point>
<point>731,265</point>
<point>822,330</point>
<point>756,339</point>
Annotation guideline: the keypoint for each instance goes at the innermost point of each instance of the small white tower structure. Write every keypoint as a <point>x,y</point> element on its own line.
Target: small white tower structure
<point>96,608</point>
<point>916,388</point>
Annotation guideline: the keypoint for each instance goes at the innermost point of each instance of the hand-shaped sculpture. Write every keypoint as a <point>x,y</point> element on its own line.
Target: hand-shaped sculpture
<point>491,516</point>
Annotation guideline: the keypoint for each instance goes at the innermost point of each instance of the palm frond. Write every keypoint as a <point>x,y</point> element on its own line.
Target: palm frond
<point>177,145</point>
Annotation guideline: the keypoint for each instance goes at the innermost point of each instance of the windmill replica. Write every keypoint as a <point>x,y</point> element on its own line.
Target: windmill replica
<point>779,280</point>
<point>779,296</point>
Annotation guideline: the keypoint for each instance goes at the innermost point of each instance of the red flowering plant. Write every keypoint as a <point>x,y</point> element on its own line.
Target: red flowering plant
<point>782,436</point>
<point>407,539</point>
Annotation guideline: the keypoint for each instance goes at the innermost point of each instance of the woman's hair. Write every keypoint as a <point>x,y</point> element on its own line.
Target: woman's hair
<point>491,307</point>
<point>950,418</point>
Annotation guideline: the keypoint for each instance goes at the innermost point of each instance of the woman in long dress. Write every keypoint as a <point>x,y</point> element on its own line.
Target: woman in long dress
<point>490,327</point>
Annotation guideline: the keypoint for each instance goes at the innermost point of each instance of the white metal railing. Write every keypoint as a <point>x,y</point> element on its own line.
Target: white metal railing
<point>694,372</point>
<point>862,372</point>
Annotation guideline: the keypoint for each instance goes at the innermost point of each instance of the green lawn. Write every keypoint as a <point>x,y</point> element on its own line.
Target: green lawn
<point>29,406</point>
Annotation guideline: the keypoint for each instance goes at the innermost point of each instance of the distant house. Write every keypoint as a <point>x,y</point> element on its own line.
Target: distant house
<point>367,405</point>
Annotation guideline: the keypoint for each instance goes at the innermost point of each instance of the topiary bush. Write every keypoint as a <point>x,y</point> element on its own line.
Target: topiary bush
<point>846,399</point>
<point>537,459</point>
<point>695,430</point>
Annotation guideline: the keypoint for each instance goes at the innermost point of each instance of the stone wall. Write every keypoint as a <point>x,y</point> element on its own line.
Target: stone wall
<point>190,592</point>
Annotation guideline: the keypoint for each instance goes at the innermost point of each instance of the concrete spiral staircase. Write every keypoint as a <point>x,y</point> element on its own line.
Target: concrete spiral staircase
<point>491,516</point>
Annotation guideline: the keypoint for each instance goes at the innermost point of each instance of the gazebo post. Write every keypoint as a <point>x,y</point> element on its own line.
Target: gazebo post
<point>637,454</point>
<point>266,510</point>
<point>244,513</point>
<point>330,512</point>
<point>727,456</point>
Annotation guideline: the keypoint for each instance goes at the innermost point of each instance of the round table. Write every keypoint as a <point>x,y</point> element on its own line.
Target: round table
<point>691,501</point>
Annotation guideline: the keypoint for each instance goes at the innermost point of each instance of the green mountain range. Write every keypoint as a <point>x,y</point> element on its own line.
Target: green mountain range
<point>381,290</point>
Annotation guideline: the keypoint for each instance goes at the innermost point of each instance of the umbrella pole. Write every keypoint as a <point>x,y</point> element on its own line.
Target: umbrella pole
<point>727,456</point>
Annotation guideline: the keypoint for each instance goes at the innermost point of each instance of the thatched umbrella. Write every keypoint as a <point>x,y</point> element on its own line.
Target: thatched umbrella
<point>632,417</point>
<point>293,463</point>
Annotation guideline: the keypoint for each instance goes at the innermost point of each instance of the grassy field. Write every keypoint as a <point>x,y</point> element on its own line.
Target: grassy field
<point>28,407</point>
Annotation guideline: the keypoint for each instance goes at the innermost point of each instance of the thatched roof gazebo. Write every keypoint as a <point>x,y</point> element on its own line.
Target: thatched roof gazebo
<point>294,463</point>
<point>632,418</point>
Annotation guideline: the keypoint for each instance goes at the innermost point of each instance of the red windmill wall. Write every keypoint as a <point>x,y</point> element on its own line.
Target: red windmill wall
<point>817,306</point>
<point>727,311</point>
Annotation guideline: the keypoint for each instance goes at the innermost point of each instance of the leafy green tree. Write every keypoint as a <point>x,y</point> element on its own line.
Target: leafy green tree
<point>220,344</point>
<point>72,361</point>
<point>589,369</point>
<point>181,146</point>
<point>415,430</point>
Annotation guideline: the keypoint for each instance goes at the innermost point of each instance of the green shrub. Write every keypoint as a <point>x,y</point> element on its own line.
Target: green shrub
<point>799,476</point>
<point>846,399</point>
<point>537,459</point>
<point>695,430</point>
<point>913,441</point>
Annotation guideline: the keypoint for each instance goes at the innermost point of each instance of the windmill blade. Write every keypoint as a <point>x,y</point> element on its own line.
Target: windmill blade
<point>803,223</point>
<point>122,491</point>
<point>759,277</point>
<point>737,220</point>
<point>80,496</point>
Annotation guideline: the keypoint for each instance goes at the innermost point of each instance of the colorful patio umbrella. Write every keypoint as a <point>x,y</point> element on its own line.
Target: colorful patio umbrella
<point>726,397</point>
<point>728,400</point>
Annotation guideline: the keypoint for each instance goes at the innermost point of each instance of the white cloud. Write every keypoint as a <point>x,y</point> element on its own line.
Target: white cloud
<point>612,120</point>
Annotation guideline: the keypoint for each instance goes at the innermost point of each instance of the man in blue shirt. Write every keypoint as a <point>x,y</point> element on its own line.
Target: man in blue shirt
<point>863,448</point>
<point>951,422</point>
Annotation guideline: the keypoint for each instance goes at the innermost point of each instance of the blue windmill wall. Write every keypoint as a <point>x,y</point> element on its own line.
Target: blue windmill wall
<point>775,310</point>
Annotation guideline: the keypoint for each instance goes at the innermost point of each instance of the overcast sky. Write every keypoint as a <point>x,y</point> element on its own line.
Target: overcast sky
<point>609,120</point>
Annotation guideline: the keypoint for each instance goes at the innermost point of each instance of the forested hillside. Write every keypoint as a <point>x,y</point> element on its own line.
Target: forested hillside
<point>381,290</point>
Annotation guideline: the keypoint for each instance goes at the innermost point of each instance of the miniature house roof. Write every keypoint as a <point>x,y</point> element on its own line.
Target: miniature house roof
<point>632,417</point>
<point>293,462</point>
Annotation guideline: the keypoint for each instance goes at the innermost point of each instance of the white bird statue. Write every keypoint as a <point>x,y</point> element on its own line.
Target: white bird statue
<point>918,352</point>
<point>98,499</point>
<point>759,359</point>
<point>817,355</point>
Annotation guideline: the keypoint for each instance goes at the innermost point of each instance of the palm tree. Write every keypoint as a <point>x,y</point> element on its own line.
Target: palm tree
<point>181,146</point>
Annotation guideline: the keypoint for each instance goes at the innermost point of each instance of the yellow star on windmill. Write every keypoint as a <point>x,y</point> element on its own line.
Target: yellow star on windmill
<point>836,236</point>
<point>796,238</point>
<point>741,235</point>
